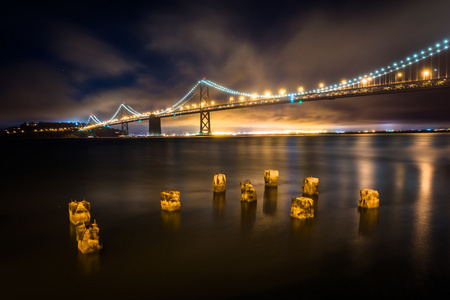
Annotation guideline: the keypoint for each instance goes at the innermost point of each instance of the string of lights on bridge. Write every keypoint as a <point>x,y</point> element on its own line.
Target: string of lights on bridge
<point>357,80</point>
<point>409,60</point>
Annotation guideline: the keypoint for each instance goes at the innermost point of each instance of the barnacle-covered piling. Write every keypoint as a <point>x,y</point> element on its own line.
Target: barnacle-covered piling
<point>88,237</point>
<point>219,183</point>
<point>248,192</point>
<point>170,200</point>
<point>79,212</point>
<point>310,186</point>
<point>271,177</point>
<point>369,198</point>
<point>302,208</point>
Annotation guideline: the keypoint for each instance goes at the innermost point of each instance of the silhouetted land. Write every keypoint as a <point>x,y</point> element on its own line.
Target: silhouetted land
<point>55,130</point>
<point>73,130</point>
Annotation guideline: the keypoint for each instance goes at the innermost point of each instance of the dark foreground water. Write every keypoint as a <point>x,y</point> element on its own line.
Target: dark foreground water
<point>218,247</point>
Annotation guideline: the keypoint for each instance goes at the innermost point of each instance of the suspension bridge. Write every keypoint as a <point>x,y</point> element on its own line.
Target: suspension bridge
<point>423,70</point>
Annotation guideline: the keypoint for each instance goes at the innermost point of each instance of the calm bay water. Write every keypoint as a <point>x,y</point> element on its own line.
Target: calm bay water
<point>218,247</point>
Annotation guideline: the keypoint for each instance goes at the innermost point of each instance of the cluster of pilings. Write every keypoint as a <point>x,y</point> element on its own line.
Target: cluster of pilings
<point>87,233</point>
<point>302,207</point>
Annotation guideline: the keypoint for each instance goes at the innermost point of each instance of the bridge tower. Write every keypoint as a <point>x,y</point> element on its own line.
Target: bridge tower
<point>154,125</point>
<point>125,128</point>
<point>205,122</point>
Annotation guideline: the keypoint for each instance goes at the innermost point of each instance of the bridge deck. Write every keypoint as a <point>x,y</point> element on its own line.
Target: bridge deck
<point>397,87</point>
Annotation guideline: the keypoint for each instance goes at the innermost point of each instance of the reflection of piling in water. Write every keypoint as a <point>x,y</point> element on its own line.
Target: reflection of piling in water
<point>248,192</point>
<point>368,220</point>
<point>170,221</point>
<point>170,200</point>
<point>302,208</point>
<point>79,212</point>
<point>270,200</point>
<point>219,201</point>
<point>89,264</point>
<point>248,215</point>
<point>271,177</point>
<point>369,198</point>
<point>302,228</point>
<point>310,186</point>
<point>219,183</point>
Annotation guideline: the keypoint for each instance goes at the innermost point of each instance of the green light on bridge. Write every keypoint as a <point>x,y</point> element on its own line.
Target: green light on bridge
<point>300,101</point>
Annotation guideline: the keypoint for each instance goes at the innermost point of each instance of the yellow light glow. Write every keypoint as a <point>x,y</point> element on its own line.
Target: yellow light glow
<point>241,98</point>
<point>344,82</point>
<point>282,92</point>
<point>300,89</point>
<point>267,93</point>
<point>212,102</point>
<point>399,75</point>
<point>321,85</point>
<point>254,96</point>
<point>231,98</point>
<point>426,73</point>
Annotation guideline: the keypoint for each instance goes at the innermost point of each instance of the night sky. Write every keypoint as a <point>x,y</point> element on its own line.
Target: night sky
<point>63,60</point>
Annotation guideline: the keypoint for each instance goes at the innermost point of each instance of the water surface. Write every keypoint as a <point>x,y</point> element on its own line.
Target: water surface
<point>218,247</point>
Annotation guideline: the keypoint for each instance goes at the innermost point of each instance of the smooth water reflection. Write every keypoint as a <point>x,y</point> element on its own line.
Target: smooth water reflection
<point>217,246</point>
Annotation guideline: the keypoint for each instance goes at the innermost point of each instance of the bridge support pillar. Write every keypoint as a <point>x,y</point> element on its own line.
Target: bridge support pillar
<point>154,126</point>
<point>205,120</point>
<point>125,128</point>
<point>205,123</point>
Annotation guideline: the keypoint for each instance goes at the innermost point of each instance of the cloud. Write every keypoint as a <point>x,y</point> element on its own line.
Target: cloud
<point>35,91</point>
<point>89,56</point>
